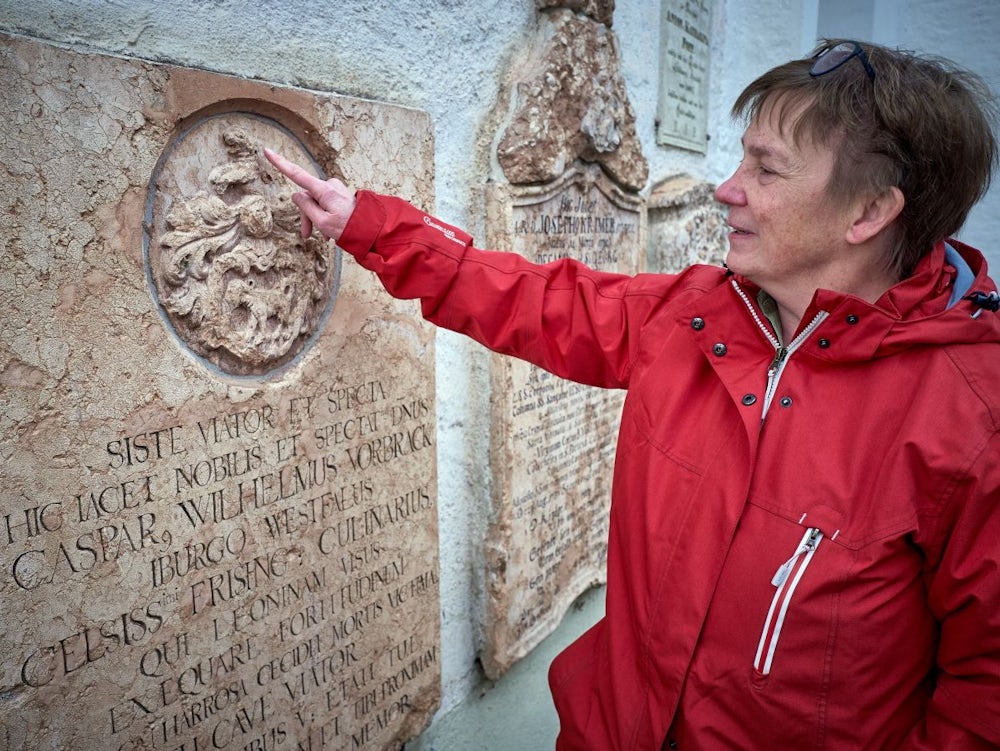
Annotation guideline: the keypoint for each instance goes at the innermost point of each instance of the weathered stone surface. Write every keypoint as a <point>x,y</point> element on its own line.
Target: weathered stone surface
<point>686,225</point>
<point>601,11</point>
<point>572,104</point>
<point>197,551</point>
<point>553,441</point>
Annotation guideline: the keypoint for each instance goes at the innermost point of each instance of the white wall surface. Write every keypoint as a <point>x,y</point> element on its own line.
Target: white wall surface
<point>449,57</point>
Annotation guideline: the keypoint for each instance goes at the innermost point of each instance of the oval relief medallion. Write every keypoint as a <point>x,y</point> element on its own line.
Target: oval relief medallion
<point>233,277</point>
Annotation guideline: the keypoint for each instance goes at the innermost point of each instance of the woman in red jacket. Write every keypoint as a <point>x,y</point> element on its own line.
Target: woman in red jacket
<point>805,525</point>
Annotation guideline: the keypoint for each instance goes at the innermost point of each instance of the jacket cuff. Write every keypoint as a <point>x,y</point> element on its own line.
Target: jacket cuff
<point>364,225</point>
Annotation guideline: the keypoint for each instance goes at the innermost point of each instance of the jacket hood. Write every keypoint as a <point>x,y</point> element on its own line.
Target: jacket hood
<point>949,299</point>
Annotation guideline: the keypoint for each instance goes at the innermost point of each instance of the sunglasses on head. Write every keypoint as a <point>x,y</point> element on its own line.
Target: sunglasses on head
<point>831,58</point>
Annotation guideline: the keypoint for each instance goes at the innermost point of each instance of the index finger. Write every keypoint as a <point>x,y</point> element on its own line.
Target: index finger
<point>294,172</point>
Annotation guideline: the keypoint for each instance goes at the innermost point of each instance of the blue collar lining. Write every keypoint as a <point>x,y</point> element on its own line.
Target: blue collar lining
<point>963,278</point>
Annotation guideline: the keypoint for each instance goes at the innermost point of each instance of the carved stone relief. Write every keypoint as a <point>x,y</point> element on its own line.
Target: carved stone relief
<point>573,106</point>
<point>599,10</point>
<point>686,225</point>
<point>190,560</point>
<point>236,281</point>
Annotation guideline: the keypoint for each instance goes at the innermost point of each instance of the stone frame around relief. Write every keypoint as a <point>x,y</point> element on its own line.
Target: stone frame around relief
<point>235,213</point>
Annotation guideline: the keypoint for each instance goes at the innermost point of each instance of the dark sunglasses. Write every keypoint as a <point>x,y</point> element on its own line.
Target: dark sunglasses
<point>833,57</point>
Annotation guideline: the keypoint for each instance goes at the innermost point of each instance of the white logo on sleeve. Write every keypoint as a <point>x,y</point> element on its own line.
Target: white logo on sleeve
<point>449,233</point>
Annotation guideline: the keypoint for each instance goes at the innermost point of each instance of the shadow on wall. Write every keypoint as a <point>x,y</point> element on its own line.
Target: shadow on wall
<point>515,714</point>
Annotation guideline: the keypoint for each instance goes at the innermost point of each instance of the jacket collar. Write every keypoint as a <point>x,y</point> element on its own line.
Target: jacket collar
<point>929,307</point>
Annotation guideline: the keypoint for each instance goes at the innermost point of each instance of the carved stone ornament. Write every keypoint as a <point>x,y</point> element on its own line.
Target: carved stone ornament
<point>575,107</point>
<point>686,225</point>
<point>601,11</point>
<point>234,278</point>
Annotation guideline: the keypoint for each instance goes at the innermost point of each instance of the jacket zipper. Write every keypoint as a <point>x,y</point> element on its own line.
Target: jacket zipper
<point>786,580</point>
<point>781,356</point>
<point>781,353</point>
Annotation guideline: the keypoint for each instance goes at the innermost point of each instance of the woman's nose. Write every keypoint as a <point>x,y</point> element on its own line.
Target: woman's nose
<point>729,191</point>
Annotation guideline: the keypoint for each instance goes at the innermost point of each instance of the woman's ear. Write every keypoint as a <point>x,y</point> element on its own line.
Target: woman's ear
<point>875,215</point>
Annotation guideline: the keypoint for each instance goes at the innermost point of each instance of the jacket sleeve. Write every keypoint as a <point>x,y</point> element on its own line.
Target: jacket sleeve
<point>562,316</point>
<point>964,595</point>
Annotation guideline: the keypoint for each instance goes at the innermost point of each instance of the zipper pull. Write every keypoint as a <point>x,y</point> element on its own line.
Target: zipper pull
<point>812,541</point>
<point>779,355</point>
<point>783,570</point>
<point>808,544</point>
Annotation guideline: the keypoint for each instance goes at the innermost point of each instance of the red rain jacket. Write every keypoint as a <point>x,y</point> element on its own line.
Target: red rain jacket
<point>804,549</point>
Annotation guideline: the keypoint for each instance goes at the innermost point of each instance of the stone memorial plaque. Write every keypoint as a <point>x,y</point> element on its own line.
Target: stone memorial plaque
<point>685,225</point>
<point>218,516</point>
<point>553,441</point>
<point>684,65</point>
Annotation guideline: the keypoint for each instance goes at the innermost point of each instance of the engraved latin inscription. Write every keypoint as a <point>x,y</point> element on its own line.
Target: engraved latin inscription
<point>274,560</point>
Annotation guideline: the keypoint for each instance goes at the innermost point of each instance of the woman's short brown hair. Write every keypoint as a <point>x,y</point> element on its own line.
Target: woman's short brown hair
<point>922,124</point>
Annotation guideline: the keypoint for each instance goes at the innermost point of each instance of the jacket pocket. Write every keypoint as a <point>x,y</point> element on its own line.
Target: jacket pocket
<point>786,580</point>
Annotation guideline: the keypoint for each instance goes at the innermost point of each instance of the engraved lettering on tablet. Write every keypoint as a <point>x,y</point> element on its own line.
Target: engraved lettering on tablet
<point>232,274</point>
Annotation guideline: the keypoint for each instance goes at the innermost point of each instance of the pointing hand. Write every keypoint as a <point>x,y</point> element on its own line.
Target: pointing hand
<point>323,204</point>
